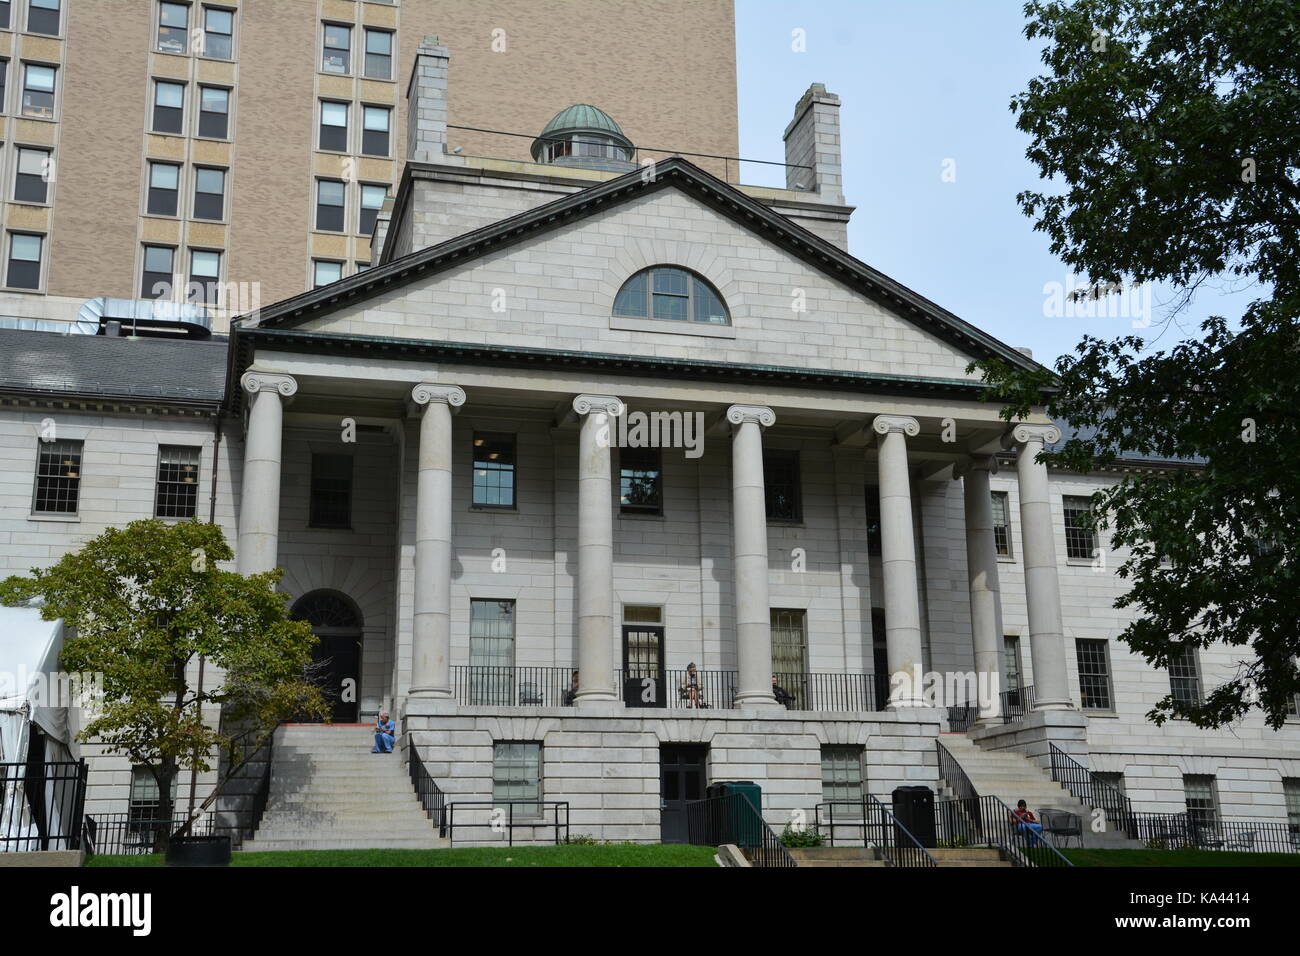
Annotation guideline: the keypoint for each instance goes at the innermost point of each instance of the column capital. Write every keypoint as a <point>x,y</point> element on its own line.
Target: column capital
<point>987,463</point>
<point>761,415</point>
<point>586,404</point>
<point>905,424</point>
<point>432,393</point>
<point>254,381</point>
<point>1046,434</point>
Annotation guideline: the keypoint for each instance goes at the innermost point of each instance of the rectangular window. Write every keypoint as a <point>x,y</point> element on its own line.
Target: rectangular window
<point>517,777</point>
<point>372,200</point>
<point>324,272</point>
<point>1185,677</point>
<point>174,27</point>
<point>789,645</point>
<point>334,126</point>
<point>142,806</point>
<point>209,193</point>
<point>1202,804</point>
<point>168,107</point>
<point>164,189</point>
<point>205,277</point>
<point>492,652</point>
<point>1011,667</point>
<point>781,481</point>
<point>31,181</point>
<point>4,14</point>
<point>1094,674</point>
<point>4,85</point>
<point>1291,793</point>
<point>363,267</point>
<point>156,277</point>
<point>379,54</point>
<point>43,17</point>
<point>38,91</point>
<point>842,778</point>
<point>177,492</point>
<point>58,477</point>
<point>494,470</point>
<point>329,205</point>
<point>24,260</point>
<point>218,33</point>
<point>1002,524</point>
<point>337,54</point>
<point>1080,541</point>
<point>374,130</point>
<point>331,491</point>
<point>640,481</point>
<point>873,520</point>
<point>214,112</point>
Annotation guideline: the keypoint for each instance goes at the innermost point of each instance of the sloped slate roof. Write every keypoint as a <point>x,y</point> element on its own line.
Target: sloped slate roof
<point>98,366</point>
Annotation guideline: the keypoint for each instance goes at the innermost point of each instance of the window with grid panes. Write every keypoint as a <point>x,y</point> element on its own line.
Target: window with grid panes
<point>331,491</point>
<point>1011,668</point>
<point>492,652</point>
<point>1202,804</point>
<point>58,477</point>
<point>1001,524</point>
<point>177,492</point>
<point>781,485</point>
<point>643,644</point>
<point>640,481</point>
<point>1291,793</point>
<point>1185,677</point>
<point>1094,674</point>
<point>873,520</point>
<point>517,776</point>
<point>842,778</point>
<point>672,294</point>
<point>143,801</point>
<point>789,643</point>
<point>1080,541</point>
<point>494,470</point>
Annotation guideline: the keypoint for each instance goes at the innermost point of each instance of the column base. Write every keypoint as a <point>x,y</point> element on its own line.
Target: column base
<point>430,693</point>
<point>596,698</point>
<point>755,700</point>
<point>1060,704</point>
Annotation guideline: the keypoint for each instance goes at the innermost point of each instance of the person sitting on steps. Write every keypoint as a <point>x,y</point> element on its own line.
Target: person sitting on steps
<point>384,732</point>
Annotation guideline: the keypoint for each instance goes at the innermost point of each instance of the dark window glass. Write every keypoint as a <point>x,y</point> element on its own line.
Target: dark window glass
<point>494,470</point>
<point>337,55</point>
<point>1080,541</point>
<point>214,112</point>
<point>1185,677</point>
<point>43,17</point>
<point>672,294</point>
<point>4,84</point>
<point>640,481</point>
<point>334,126</point>
<point>4,15</point>
<point>372,200</point>
<point>177,492</point>
<point>205,276</point>
<point>168,107</point>
<point>1094,674</point>
<point>324,272</point>
<point>24,261</point>
<point>209,193</point>
<point>164,188</point>
<point>781,482</point>
<point>1011,666</point>
<point>873,520</point>
<point>329,205</point>
<point>173,27</point>
<point>218,33</point>
<point>379,55</point>
<point>331,491</point>
<point>1202,806</point>
<point>156,277</point>
<point>31,180</point>
<point>374,131</point>
<point>58,477</point>
<point>1001,523</point>
<point>38,91</point>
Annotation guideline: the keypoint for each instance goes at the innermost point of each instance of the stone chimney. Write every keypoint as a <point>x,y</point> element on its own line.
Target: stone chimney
<point>813,139</point>
<point>382,221</point>
<point>426,104</point>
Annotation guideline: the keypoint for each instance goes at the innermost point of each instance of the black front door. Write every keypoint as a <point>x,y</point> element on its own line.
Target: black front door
<point>681,779</point>
<point>337,668</point>
<point>643,666</point>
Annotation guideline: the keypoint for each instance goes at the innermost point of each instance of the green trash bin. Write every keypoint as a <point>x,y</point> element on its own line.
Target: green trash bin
<point>745,829</point>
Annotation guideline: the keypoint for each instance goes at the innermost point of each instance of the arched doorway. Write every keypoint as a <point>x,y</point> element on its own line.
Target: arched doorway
<point>336,660</point>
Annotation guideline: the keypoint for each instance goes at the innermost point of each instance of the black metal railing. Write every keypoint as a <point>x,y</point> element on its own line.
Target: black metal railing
<point>138,832</point>
<point>842,814</point>
<point>951,772</point>
<point>835,692</point>
<point>703,690</point>
<point>42,805</point>
<point>1095,792</point>
<point>1016,703</point>
<point>430,795</point>
<point>512,686</point>
<point>897,845</point>
<point>501,816</point>
<point>1179,831</point>
<point>734,819</point>
<point>962,716</point>
<point>988,822</point>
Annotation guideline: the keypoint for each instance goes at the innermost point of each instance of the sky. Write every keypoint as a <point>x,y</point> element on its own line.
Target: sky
<point>925,87</point>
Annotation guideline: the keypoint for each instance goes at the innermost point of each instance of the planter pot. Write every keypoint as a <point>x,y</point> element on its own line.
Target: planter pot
<point>199,851</point>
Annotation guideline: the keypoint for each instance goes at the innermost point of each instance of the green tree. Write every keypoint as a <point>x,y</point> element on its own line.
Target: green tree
<point>143,605</point>
<point>1166,134</point>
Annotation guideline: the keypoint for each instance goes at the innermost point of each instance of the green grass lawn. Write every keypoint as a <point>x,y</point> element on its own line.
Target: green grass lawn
<point>618,854</point>
<point>1156,858</point>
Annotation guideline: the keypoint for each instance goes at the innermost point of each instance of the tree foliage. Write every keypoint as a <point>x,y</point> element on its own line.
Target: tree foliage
<point>1169,131</point>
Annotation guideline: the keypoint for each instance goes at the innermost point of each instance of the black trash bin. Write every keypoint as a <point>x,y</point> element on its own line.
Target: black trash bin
<point>913,808</point>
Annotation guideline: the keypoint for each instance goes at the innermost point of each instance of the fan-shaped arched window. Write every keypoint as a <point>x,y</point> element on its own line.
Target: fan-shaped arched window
<point>667,292</point>
<point>325,610</point>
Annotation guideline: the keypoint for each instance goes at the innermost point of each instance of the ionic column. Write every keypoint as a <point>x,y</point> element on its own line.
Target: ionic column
<point>898,561</point>
<point>431,627</point>
<point>595,549</point>
<point>985,593</point>
<point>1042,587</point>
<point>749,555</point>
<point>259,506</point>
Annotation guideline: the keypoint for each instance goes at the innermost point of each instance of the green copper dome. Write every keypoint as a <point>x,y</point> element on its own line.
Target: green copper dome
<point>579,119</point>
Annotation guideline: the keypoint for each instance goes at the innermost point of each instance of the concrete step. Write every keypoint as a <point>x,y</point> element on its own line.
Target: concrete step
<point>264,846</point>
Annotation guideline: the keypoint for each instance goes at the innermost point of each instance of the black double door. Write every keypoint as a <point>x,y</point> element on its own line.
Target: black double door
<point>681,779</point>
<point>643,666</point>
<point>337,668</point>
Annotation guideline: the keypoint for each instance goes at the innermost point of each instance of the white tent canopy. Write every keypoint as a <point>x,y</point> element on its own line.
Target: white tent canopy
<point>29,665</point>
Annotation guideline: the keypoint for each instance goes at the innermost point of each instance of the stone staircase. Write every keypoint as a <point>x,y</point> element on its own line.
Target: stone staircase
<point>329,792</point>
<point>859,856</point>
<point>1011,777</point>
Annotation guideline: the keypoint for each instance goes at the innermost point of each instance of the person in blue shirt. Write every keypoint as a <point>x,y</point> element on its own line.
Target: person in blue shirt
<point>384,731</point>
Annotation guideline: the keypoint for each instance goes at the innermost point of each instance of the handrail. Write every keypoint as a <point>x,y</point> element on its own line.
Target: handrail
<point>951,771</point>
<point>430,795</point>
<point>732,818</point>
<point>1022,840</point>
<point>509,824</point>
<point>904,849</point>
<point>1095,792</point>
<point>1023,703</point>
<point>860,821</point>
